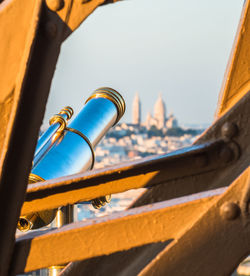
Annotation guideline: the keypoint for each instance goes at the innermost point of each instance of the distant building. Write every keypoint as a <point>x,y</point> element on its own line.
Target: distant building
<point>160,113</point>
<point>159,120</point>
<point>172,122</point>
<point>136,109</point>
<point>151,121</point>
<point>148,122</point>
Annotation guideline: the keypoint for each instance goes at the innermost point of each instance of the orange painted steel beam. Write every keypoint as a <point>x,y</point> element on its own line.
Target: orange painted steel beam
<point>237,76</point>
<point>14,39</point>
<point>73,12</point>
<point>217,240</point>
<point>16,49</point>
<point>109,234</point>
<point>137,174</point>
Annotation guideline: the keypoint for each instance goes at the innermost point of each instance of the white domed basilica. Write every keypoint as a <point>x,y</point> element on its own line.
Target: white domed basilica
<point>159,120</point>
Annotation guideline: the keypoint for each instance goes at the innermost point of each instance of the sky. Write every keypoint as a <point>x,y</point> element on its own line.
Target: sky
<point>178,49</point>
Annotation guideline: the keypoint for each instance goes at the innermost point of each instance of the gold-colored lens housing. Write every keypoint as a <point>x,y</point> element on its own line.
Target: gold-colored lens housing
<point>57,118</point>
<point>55,270</point>
<point>99,202</point>
<point>113,96</point>
<point>33,178</point>
<point>25,223</point>
<point>68,111</point>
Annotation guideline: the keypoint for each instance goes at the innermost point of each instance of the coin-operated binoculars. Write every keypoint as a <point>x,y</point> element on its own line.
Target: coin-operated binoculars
<point>68,149</point>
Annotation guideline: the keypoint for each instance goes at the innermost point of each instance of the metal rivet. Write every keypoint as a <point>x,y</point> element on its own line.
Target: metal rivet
<point>55,5</point>
<point>229,130</point>
<point>230,211</point>
<point>51,29</point>
<point>226,154</point>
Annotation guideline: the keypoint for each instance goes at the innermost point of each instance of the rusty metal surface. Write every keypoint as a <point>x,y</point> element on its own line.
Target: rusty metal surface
<point>105,235</point>
<point>182,175</point>
<point>219,239</point>
<point>143,173</point>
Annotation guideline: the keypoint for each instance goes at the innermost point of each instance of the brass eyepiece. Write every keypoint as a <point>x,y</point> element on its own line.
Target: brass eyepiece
<point>33,178</point>
<point>99,202</point>
<point>24,224</point>
<point>113,96</point>
<point>58,118</point>
<point>68,111</point>
<point>55,269</point>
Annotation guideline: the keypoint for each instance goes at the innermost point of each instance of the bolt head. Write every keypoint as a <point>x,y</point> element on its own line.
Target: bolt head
<point>229,211</point>
<point>55,5</point>
<point>229,130</point>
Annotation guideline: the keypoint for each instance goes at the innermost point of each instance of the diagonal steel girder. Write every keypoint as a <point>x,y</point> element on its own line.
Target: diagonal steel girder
<point>143,173</point>
<point>106,235</point>
<point>206,165</point>
<point>16,50</point>
<point>213,227</point>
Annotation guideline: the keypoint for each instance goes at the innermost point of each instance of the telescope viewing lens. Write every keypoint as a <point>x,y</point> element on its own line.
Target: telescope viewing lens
<point>23,225</point>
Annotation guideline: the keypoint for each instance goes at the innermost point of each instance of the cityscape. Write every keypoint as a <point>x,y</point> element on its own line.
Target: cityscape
<point>160,133</point>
